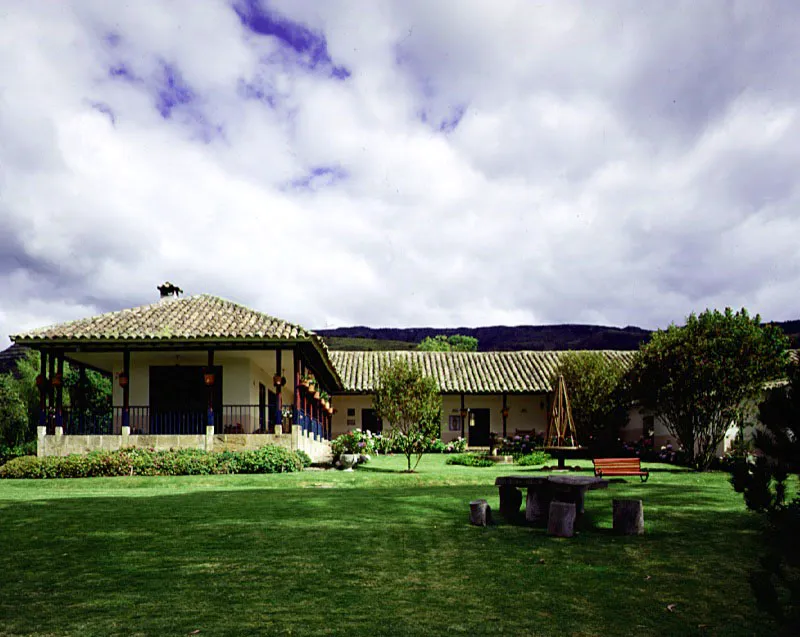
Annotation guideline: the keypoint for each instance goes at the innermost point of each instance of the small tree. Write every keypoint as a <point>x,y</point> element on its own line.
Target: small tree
<point>13,415</point>
<point>697,377</point>
<point>763,481</point>
<point>454,343</point>
<point>598,396</point>
<point>411,404</point>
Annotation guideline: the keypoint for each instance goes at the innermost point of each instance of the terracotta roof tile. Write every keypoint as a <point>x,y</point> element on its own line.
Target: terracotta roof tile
<point>202,316</point>
<point>457,372</point>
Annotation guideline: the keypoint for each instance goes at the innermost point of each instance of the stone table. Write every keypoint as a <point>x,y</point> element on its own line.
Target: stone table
<point>541,491</point>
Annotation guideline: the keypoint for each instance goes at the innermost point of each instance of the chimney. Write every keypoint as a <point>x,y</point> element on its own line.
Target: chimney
<point>169,291</point>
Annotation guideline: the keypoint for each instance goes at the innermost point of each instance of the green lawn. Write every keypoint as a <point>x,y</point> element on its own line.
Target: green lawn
<point>373,552</point>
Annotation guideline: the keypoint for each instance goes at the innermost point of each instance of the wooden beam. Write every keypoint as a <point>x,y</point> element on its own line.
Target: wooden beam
<point>279,388</point>
<point>51,367</point>
<point>60,392</point>
<point>126,390</point>
<point>296,356</point>
<point>42,382</point>
<point>210,387</point>
<point>505,414</point>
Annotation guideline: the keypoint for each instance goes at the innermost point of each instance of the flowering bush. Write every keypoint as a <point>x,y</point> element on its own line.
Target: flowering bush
<point>386,444</point>
<point>354,441</point>
<point>518,446</point>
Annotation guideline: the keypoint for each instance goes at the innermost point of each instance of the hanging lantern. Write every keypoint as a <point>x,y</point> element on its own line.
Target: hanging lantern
<point>123,379</point>
<point>504,412</point>
<point>57,380</point>
<point>40,380</point>
<point>208,378</point>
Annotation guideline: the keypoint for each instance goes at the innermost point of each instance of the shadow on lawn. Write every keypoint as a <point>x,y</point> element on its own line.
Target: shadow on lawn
<point>368,469</point>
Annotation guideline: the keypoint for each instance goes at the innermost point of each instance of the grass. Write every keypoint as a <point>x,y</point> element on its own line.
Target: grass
<point>372,552</point>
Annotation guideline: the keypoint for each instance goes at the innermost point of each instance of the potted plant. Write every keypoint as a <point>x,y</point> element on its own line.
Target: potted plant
<point>351,448</point>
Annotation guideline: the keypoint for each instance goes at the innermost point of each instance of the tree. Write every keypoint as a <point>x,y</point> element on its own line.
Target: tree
<point>454,343</point>
<point>411,404</point>
<point>20,388</point>
<point>697,377</point>
<point>763,481</point>
<point>598,396</point>
<point>13,416</point>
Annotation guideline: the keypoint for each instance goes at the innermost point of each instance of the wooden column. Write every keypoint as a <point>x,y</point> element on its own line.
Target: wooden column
<point>60,391</point>
<point>81,395</point>
<point>210,388</point>
<point>463,417</point>
<point>126,389</point>
<point>42,383</point>
<point>279,389</point>
<point>505,414</point>
<point>51,371</point>
<point>313,411</point>
<point>296,385</point>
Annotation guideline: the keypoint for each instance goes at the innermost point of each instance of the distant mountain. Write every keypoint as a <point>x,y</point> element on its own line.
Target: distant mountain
<point>504,338</point>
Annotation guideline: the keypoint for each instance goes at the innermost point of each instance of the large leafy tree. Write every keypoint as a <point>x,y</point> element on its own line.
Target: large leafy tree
<point>454,343</point>
<point>697,377</point>
<point>20,395</point>
<point>13,415</point>
<point>763,481</point>
<point>411,404</point>
<point>598,396</point>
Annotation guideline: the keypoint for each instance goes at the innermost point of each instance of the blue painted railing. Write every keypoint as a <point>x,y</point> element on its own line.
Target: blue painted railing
<point>232,419</point>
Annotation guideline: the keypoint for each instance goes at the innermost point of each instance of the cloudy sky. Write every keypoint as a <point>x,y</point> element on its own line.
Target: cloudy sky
<point>401,163</point>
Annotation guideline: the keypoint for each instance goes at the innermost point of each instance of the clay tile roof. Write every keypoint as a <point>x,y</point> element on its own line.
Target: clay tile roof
<point>462,372</point>
<point>202,316</point>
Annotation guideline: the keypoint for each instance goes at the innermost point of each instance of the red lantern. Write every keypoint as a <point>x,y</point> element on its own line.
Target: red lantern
<point>123,379</point>
<point>57,380</point>
<point>40,380</point>
<point>208,379</point>
<point>504,412</point>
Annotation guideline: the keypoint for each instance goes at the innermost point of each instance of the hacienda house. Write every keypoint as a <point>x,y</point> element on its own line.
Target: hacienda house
<point>203,372</point>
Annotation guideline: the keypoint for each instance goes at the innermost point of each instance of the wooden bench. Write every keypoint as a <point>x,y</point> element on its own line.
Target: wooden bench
<point>607,467</point>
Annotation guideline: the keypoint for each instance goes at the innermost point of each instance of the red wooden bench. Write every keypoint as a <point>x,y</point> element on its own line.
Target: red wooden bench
<point>606,467</point>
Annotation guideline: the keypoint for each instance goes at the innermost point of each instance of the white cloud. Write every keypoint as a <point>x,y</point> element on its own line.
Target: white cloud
<point>614,163</point>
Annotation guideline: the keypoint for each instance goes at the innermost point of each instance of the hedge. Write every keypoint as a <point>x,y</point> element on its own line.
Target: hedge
<point>469,460</point>
<point>148,462</point>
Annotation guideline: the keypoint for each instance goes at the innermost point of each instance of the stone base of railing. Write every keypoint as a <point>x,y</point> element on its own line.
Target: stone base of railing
<point>63,445</point>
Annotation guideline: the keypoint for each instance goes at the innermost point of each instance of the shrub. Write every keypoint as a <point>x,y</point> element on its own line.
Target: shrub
<point>382,444</point>
<point>148,462</point>
<point>519,446</point>
<point>9,453</point>
<point>533,459</point>
<point>469,460</point>
<point>355,441</point>
<point>386,444</point>
<point>459,445</point>
<point>304,458</point>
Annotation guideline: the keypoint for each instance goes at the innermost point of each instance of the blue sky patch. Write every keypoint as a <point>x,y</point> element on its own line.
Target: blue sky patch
<point>122,72</point>
<point>104,108</point>
<point>449,124</point>
<point>318,177</point>
<point>173,92</point>
<point>312,47</point>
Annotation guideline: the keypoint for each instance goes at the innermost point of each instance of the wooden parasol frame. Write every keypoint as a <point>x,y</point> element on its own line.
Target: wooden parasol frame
<point>561,432</point>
